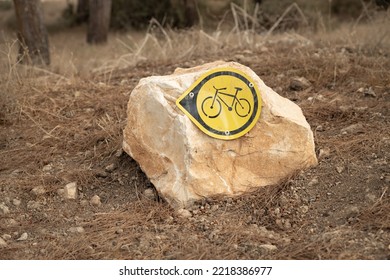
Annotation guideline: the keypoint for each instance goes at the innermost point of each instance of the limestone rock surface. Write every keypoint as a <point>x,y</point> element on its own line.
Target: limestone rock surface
<point>70,191</point>
<point>185,164</point>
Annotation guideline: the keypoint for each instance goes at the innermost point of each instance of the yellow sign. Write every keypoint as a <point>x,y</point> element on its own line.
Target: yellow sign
<point>224,103</point>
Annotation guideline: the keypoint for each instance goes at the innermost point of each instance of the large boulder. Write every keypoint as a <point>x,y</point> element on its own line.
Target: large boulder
<point>185,164</point>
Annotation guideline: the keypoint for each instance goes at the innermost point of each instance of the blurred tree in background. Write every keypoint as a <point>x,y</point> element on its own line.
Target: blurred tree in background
<point>186,13</point>
<point>124,14</point>
<point>347,9</point>
<point>133,13</point>
<point>137,14</point>
<point>383,3</point>
<point>98,21</point>
<point>82,11</point>
<point>32,35</point>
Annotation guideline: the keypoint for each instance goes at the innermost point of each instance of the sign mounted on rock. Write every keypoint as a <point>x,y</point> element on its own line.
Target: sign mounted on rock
<point>224,103</point>
<point>186,165</point>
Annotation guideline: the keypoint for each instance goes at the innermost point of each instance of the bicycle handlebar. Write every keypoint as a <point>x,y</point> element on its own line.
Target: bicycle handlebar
<point>219,88</point>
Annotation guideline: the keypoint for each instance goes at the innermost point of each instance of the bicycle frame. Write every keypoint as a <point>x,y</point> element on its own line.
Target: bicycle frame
<point>234,96</point>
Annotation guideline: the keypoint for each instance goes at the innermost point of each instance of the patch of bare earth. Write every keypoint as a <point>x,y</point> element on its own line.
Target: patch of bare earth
<point>54,132</point>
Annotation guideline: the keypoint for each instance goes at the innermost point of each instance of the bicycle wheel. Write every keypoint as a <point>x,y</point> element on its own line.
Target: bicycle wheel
<point>209,109</point>
<point>242,108</point>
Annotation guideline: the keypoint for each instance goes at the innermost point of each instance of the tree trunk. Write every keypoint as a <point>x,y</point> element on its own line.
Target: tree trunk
<point>34,42</point>
<point>82,11</point>
<point>191,13</point>
<point>383,3</point>
<point>99,21</point>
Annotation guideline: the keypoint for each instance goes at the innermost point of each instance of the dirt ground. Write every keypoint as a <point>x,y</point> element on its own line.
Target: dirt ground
<point>55,130</point>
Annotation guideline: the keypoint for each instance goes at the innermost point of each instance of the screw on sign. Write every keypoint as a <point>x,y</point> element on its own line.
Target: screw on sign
<point>224,103</point>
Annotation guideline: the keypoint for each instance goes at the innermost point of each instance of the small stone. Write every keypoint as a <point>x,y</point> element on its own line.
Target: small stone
<point>313,182</point>
<point>214,207</point>
<point>369,92</point>
<point>352,211</point>
<point>101,174</point>
<point>119,231</point>
<point>119,153</point>
<point>4,209</point>
<point>31,205</point>
<point>324,153</point>
<point>16,202</point>
<point>6,236</point>
<point>16,172</point>
<point>213,235</point>
<point>47,168</point>
<point>95,200</point>
<point>346,108</point>
<point>90,249</point>
<point>339,169</point>
<point>353,128</point>
<point>299,83</point>
<point>111,167</point>
<point>360,90</point>
<point>125,247</point>
<point>320,128</point>
<point>23,237</point>
<point>2,243</point>
<point>70,191</point>
<point>304,209</point>
<point>84,202</point>
<point>38,190</point>
<point>149,194</point>
<point>76,230</point>
<point>11,222</point>
<point>243,59</point>
<point>287,224</point>
<point>184,213</point>
<point>268,247</point>
<point>371,197</point>
<point>286,240</point>
<point>77,94</point>
<point>264,49</point>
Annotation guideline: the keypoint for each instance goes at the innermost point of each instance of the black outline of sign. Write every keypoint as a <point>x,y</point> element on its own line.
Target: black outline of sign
<point>189,103</point>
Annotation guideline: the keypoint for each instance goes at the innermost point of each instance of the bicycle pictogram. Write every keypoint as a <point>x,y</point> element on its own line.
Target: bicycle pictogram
<point>212,105</point>
<point>224,103</point>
